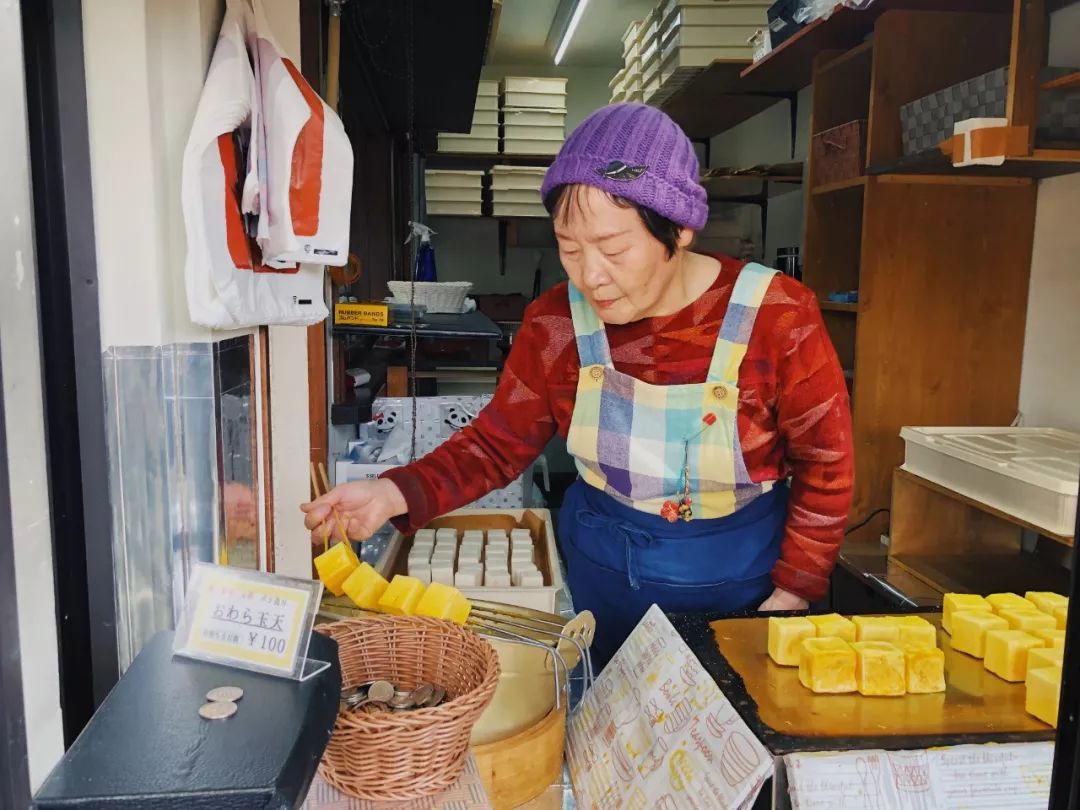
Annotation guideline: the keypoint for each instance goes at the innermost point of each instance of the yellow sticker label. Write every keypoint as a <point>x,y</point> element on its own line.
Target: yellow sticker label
<point>361,315</point>
<point>248,622</point>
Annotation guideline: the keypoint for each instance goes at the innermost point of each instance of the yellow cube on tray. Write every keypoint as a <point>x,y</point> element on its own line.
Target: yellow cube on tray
<point>924,669</point>
<point>1043,694</point>
<point>335,565</point>
<point>969,629</point>
<point>957,602</point>
<point>444,602</point>
<point>1047,601</point>
<point>1053,638</point>
<point>1045,657</point>
<point>880,669</point>
<point>877,628</point>
<point>1009,601</point>
<point>365,587</point>
<point>786,635</point>
<point>1007,652</point>
<point>916,630</point>
<point>827,666</point>
<point>833,625</point>
<point>402,596</point>
<point>1061,616</point>
<point>1028,620</point>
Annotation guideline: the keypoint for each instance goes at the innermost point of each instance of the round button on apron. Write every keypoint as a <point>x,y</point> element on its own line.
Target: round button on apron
<point>720,392</point>
<point>597,373</point>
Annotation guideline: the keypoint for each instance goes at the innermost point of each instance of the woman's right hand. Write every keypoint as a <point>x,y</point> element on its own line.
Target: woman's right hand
<point>364,507</point>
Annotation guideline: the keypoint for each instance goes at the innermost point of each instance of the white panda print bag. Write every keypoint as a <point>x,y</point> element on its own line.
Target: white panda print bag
<point>228,283</point>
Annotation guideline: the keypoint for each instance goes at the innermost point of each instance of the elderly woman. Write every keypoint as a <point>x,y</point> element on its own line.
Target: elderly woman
<point>699,396</point>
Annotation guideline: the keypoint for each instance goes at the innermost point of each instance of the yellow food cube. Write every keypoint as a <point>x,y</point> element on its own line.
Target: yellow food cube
<point>966,674</point>
<point>969,628</point>
<point>876,628</point>
<point>1028,620</point>
<point>1061,615</point>
<point>786,635</point>
<point>1046,601</point>
<point>402,596</point>
<point>956,602</point>
<point>444,602</point>
<point>335,565</point>
<point>1009,601</point>
<point>880,669</point>
<point>833,625</point>
<point>365,587</point>
<point>827,665</point>
<point>1053,638</point>
<point>924,669</point>
<point>916,630</point>
<point>1007,652</point>
<point>1043,693</point>
<point>1045,657</point>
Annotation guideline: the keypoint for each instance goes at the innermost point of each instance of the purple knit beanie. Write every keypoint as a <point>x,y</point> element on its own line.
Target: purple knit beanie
<point>636,152</point>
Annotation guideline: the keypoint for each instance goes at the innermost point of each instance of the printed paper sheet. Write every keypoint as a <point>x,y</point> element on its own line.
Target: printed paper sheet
<point>656,733</point>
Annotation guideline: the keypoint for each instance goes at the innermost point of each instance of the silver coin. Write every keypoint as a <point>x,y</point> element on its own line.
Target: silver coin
<point>422,694</point>
<point>225,694</point>
<point>381,692</point>
<point>401,700</point>
<point>217,711</point>
<point>436,699</point>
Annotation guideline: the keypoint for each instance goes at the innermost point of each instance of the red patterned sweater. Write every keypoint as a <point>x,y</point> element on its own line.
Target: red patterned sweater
<point>793,416</point>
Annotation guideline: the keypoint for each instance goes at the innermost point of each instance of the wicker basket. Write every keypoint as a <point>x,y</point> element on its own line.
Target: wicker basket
<point>438,296</point>
<point>399,757</point>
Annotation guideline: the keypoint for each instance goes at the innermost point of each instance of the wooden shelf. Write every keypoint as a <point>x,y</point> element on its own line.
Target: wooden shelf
<point>985,573</point>
<point>716,100</point>
<point>858,183</point>
<point>837,306</point>
<point>1042,164</point>
<point>1062,82</point>
<point>473,160</point>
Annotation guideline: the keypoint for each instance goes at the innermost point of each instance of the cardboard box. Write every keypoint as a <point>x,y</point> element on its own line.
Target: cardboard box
<point>367,314</point>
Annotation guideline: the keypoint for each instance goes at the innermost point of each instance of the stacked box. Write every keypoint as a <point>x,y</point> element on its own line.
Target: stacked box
<point>533,115</point>
<point>483,138</point>
<point>515,191</point>
<point>454,192</point>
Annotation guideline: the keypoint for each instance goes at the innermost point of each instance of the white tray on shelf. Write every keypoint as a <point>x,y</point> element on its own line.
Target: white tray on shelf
<point>1029,473</point>
<point>530,146</point>
<point>451,178</point>
<point>463,143</point>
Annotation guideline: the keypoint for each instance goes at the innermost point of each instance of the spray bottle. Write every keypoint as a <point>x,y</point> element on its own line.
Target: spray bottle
<point>425,253</point>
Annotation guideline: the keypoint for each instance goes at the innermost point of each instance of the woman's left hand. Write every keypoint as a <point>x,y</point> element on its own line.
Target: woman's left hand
<point>784,600</point>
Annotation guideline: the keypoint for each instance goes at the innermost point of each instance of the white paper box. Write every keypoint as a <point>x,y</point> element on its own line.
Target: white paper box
<point>630,35</point>
<point>482,131</point>
<point>504,178</point>
<point>461,209</point>
<point>487,87</point>
<point>463,143</point>
<point>534,118</point>
<point>519,210</point>
<point>1029,473</point>
<point>533,84</point>
<point>710,36</point>
<point>522,146</point>
<point>484,118</point>
<point>486,103</point>
<point>716,14</point>
<point>467,196</point>
<point>444,178</point>
<point>542,101</point>
<point>517,197</point>
<point>513,132</point>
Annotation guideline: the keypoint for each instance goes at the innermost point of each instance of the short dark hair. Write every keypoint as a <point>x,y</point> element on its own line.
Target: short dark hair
<point>661,228</point>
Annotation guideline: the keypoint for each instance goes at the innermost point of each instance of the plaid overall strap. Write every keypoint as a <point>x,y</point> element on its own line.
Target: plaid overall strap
<point>592,344</point>
<point>750,288</point>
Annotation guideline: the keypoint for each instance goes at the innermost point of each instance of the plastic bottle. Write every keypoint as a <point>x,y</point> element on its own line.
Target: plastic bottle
<point>425,253</point>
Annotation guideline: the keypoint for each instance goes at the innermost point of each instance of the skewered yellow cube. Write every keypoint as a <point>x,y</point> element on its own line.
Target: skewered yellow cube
<point>876,628</point>
<point>335,565</point>
<point>1061,615</point>
<point>365,586</point>
<point>924,669</point>
<point>1045,657</point>
<point>917,631</point>
<point>1043,694</point>
<point>833,625</point>
<point>1028,620</point>
<point>970,629</point>
<point>956,602</point>
<point>444,602</point>
<point>1053,638</point>
<point>1007,652</point>
<point>1047,601</point>
<point>827,665</point>
<point>402,596</point>
<point>786,635</point>
<point>1009,601</point>
<point>880,670</point>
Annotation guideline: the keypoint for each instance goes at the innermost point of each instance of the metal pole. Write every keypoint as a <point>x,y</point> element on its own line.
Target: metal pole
<point>1065,782</point>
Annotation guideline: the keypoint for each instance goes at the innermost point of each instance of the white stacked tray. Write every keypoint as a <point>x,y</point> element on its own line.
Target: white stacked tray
<point>1030,473</point>
<point>515,191</point>
<point>532,92</point>
<point>483,137</point>
<point>534,115</point>
<point>456,192</point>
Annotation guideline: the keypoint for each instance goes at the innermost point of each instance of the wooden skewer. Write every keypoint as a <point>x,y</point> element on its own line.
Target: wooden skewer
<point>337,515</point>
<point>317,494</point>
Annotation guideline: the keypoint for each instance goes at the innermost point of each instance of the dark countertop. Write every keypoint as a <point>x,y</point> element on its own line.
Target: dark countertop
<point>148,748</point>
<point>470,325</point>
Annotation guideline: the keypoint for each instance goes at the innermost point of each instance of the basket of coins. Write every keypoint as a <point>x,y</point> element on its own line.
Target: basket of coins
<point>412,689</point>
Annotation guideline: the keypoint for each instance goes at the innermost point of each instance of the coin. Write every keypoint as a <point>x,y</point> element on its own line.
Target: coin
<point>422,694</point>
<point>225,694</point>
<point>380,692</point>
<point>436,698</point>
<point>401,700</point>
<point>217,711</point>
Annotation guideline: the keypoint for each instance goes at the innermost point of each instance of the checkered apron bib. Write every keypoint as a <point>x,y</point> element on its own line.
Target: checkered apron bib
<point>658,448</point>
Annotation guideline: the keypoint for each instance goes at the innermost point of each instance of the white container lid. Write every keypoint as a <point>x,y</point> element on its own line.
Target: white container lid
<point>1044,457</point>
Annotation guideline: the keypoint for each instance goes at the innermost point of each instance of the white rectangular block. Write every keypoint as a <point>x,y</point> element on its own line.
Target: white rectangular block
<point>448,535</point>
<point>421,572</point>
<point>531,579</point>
<point>518,576</point>
<point>424,536</point>
<point>497,535</point>
<point>443,574</point>
<point>493,579</point>
<point>471,576</point>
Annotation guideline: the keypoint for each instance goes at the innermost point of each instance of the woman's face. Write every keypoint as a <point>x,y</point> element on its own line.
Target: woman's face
<point>622,269</point>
